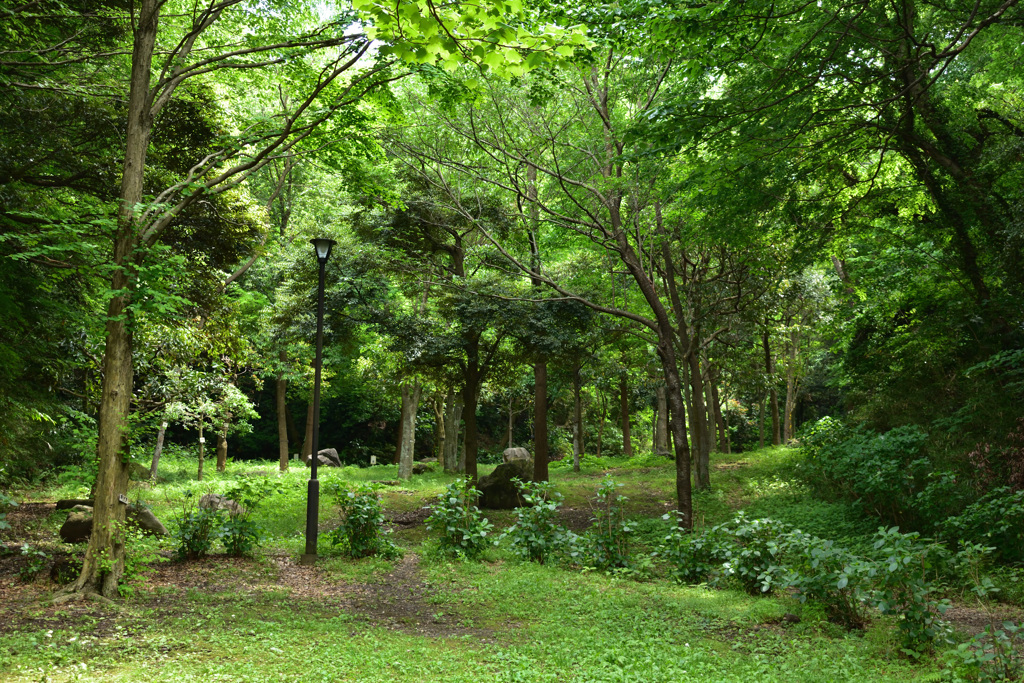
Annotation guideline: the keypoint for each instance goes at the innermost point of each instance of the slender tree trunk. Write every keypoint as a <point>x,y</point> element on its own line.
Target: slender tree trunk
<point>410,405</point>
<point>281,391</point>
<point>540,420</point>
<point>600,426</point>
<point>222,448</point>
<point>202,452</point>
<point>453,416</point>
<point>709,406</point>
<point>773,394</point>
<point>716,403</point>
<point>103,564</point>
<point>293,431</point>
<point>511,423</point>
<point>701,428</point>
<point>439,428</point>
<point>159,448</point>
<point>471,444</point>
<point>788,426</point>
<point>307,444</point>
<point>577,415</point>
<point>627,443</point>
<point>661,424</point>
<point>760,421</point>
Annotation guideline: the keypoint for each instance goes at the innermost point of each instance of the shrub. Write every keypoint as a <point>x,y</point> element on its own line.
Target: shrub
<point>754,557</point>
<point>535,536</point>
<point>904,585</point>
<point>996,519</point>
<point>831,576</point>
<point>693,557</point>
<point>197,528</point>
<point>240,534</point>
<point>361,532</point>
<point>993,655</point>
<point>35,561</point>
<point>463,528</point>
<point>5,502</point>
<point>607,542</point>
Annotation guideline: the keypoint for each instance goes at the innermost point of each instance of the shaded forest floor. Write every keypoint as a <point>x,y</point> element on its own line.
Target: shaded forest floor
<point>268,618</point>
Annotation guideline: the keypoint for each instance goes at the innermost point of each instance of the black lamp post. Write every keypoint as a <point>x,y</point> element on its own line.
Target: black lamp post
<point>323,252</point>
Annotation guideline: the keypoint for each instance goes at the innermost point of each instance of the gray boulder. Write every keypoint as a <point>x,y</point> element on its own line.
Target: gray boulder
<point>78,526</point>
<point>516,453</point>
<point>138,471</point>
<point>331,454</point>
<point>216,501</point>
<point>498,491</point>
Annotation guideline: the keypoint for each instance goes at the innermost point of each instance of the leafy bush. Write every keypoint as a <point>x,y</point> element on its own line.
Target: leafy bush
<point>535,536</point>
<point>609,538</point>
<point>693,557</point>
<point>35,562</point>
<point>5,502</point>
<point>904,584</point>
<point>993,655</point>
<point>197,529</point>
<point>754,557</point>
<point>240,534</point>
<point>996,519</point>
<point>831,576</point>
<point>362,532</point>
<point>463,528</point>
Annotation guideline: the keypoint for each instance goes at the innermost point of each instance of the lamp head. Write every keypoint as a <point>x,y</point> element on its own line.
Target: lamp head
<point>323,248</point>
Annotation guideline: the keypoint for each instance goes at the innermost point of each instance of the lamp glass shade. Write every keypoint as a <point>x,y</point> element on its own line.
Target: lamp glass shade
<point>323,247</point>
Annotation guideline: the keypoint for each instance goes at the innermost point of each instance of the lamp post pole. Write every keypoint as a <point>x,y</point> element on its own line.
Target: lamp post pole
<point>323,252</point>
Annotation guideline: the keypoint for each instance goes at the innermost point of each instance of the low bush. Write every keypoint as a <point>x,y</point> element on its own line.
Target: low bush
<point>830,576</point>
<point>993,655</point>
<point>362,532</point>
<point>241,535</point>
<point>535,536</point>
<point>463,528</point>
<point>607,543</point>
<point>196,529</point>
<point>996,519</point>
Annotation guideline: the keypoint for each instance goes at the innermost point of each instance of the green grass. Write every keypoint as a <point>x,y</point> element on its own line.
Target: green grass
<point>493,620</point>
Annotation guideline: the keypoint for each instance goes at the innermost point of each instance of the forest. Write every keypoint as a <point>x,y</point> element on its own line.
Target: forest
<point>696,319</point>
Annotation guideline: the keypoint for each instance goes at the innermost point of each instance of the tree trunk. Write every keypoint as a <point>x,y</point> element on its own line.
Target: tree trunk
<point>700,427</point>
<point>202,452</point>
<point>577,416</point>
<point>452,416</point>
<point>788,426</point>
<point>661,424</point>
<point>467,461</point>
<point>281,390</point>
<point>438,406</point>
<point>716,403</point>
<point>103,564</point>
<point>159,448</point>
<point>760,420</point>
<point>773,394</point>
<point>398,440</point>
<point>410,405</point>
<point>540,420</point>
<point>222,448</point>
<point>627,444</point>
<point>709,406</point>
<point>307,443</point>
<point>600,426</point>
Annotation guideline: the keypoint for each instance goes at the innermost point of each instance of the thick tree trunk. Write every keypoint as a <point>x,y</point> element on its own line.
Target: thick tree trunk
<point>222,448</point>
<point>540,420</point>
<point>467,461</point>
<point>627,443</point>
<point>452,416</point>
<point>159,448</point>
<point>281,390</point>
<point>103,564</point>
<point>410,405</point>
<point>399,436</point>
<point>661,424</point>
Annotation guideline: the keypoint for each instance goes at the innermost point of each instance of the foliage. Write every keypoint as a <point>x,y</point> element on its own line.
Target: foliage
<point>607,543</point>
<point>362,532</point>
<point>35,562</point>
<point>196,528</point>
<point>829,575</point>
<point>240,534</point>
<point>5,502</point>
<point>142,552</point>
<point>462,527</point>
<point>993,655</point>
<point>996,519</point>
<point>904,584</point>
<point>536,536</point>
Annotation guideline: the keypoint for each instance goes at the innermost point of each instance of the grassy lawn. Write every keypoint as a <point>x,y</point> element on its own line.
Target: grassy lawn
<point>423,619</point>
